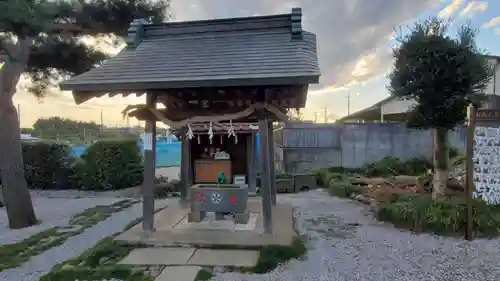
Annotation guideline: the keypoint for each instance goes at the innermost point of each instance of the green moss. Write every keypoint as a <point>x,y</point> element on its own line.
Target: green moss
<point>272,256</point>
<point>120,272</point>
<point>204,275</point>
<point>94,215</point>
<point>100,263</point>
<point>13,255</point>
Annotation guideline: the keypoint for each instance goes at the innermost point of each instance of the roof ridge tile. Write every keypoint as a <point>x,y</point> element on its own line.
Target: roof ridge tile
<point>292,20</point>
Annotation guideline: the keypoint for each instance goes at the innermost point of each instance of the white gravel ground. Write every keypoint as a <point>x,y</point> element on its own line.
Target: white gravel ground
<point>75,245</point>
<point>348,244</point>
<point>51,212</point>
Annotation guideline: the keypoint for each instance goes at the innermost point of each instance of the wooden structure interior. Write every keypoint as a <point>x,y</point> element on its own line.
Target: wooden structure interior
<point>203,168</point>
<point>239,70</point>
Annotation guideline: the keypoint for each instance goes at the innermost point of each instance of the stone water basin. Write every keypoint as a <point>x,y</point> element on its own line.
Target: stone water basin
<point>218,198</point>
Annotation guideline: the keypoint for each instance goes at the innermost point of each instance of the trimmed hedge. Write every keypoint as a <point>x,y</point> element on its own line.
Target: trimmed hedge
<point>47,165</point>
<point>444,216</point>
<point>110,164</point>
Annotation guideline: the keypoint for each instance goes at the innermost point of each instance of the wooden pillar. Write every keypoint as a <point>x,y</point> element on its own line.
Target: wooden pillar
<point>148,202</point>
<point>251,171</point>
<point>272,165</point>
<point>265,188</point>
<point>190,169</point>
<point>185,168</point>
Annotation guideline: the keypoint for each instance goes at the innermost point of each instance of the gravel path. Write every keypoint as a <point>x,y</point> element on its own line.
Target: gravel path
<point>348,244</point>
<point>75,245</point>
<point>51,212</point>
<point>75,193</point>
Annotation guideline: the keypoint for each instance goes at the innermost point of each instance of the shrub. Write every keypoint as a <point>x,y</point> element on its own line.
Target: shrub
<point>318,175</point>
<point>442,216</point>
<point>47,165</point>
<point>391,166</point>
<point>453,152</point>
<point>343,170</point>
<point>110,164</point>
<point>161,179</point>
<point>344,189</point>
<point>166,188</point>
<point>283,176</point>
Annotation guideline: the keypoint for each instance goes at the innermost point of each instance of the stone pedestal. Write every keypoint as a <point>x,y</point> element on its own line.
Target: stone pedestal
<point>242,218</point>
<point>219,216</point>
<point>196,216</point>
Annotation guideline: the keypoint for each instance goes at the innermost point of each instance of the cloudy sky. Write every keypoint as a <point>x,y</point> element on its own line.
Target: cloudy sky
<point>354,44</point>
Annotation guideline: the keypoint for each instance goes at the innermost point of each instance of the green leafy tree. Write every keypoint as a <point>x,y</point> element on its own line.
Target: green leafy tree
<point>48,40</point>
<point>444,75</point>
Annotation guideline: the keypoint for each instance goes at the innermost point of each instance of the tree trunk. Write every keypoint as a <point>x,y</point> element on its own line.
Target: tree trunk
<point>15,190</point>
<point>440,162</point>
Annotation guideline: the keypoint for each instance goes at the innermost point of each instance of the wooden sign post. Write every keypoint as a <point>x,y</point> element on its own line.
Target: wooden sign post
<point>483,126</point>
<point>469,171</point>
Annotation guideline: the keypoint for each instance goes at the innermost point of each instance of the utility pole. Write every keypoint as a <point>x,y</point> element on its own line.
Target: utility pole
<point>348,103</point>
<point>19,112</point>
<point>326,114</point>
<point>315,117</point>
<point>102,120</point>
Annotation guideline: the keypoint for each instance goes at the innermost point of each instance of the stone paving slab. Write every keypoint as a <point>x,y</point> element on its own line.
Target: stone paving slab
<point>211,257</point>
<point>158,256</point>
<point>178,273</point>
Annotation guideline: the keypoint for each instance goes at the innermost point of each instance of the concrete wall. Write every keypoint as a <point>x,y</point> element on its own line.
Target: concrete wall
<point>351,145</point>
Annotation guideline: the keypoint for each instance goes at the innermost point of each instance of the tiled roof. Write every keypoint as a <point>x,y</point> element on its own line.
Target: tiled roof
<point>270,50</point>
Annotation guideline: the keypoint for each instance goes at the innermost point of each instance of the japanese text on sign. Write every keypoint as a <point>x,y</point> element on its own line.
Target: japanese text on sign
<point>233,199</point>
<point>199,197</point>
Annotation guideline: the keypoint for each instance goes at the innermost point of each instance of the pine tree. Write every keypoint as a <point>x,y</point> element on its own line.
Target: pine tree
<point>45,41</point>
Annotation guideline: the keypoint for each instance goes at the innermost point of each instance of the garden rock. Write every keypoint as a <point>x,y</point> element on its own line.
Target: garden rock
<point>456,179</point>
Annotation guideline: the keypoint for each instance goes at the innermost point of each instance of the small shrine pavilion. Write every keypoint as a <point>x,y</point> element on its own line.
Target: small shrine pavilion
<point>223,71</point>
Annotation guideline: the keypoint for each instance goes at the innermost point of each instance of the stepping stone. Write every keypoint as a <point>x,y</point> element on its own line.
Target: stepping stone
<point>211,257</point>
<point>158,256</point>
<point>178,273</point>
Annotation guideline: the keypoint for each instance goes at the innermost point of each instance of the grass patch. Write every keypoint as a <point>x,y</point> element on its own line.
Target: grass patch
<point>203,275</point>
<point>272,256</point>
<point>13,255</point>
<point>120,272</point>
<point>100,262</point>
<point>96,214</point>
<point>444,216</point>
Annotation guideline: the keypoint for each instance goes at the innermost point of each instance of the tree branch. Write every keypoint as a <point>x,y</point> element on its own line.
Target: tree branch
<point>55,57</point>
<point>7,45</point>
